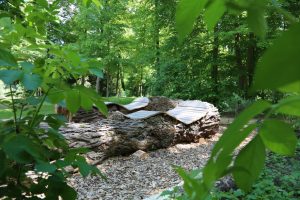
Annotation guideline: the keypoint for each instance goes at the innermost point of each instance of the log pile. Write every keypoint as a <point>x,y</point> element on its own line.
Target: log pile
<point>118,135</point>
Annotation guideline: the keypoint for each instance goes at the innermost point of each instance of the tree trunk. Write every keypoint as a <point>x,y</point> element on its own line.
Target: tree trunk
<point>251,57</point>
<point>118,135</point>
<point>156,35</point>
<point>122,79</point>
<point>82,80</point>
<point>214,69</point>
<point>98,85</point>
<point>107,70</point>
<point>239,63</point>
<point>107,85</point>
<point>141,81</point>
<point>117,81</point>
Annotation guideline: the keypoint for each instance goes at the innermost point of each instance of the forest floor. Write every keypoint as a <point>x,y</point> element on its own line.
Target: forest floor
<point>134,177</point>
<point>139,177</point>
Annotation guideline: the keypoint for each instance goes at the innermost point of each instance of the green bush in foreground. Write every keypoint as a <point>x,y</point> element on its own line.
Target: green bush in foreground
<point>280,180</point>
<point>34,71</point>
<point>278,69</point>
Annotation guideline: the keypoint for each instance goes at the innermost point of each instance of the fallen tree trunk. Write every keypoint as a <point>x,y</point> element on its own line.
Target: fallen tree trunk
<point>119,135</point>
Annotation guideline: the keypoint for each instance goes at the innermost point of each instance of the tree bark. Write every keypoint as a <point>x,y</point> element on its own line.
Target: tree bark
<point>117,81</point>
<point>107,69</point>
<point>251,57</point>
<point>214,67</point>
<point>239,63</point>
<point>141,81</point>
<point>107,85</point>
<point>156,35</point>
<point>98,85</point>
<point>82,80</point>
<point>122,78</point>
<point>118,135</point>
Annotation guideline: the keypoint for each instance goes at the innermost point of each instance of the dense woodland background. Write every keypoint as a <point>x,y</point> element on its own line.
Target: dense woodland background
<point>135,43</point>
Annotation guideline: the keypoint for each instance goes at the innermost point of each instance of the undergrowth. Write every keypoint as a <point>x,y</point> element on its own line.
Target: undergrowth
<point>279,180</point>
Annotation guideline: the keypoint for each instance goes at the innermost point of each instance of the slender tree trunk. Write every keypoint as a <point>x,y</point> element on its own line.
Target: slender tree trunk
<point>239,63</point>
<point>122,78</point>
<point>97,84</point>
<point>251,57</point>
<point>117,82</point>
<point>82,80</point>
<point>107,85</point>
<point>141,81</point>
<point>214,69</point>
<point>107,71</point>
<point>242,71</point>
<point>156,35</point>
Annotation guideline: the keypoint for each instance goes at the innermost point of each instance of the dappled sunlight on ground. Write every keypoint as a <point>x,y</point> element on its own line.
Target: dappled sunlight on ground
<point>131,177</point>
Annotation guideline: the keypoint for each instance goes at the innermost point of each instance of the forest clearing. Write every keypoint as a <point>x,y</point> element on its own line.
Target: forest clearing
<point>154,100</point>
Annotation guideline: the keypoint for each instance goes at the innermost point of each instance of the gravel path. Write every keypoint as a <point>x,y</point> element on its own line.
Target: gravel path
<point>137,178</point>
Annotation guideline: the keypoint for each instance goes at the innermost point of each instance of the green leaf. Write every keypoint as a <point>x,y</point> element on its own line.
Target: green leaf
<point>27,66</point>
<point>280,64</point>
<point>86,2</point>
<point>86,102</point>
<point>73,100</point>
<point>88,97</point>
<point>96,171</point>
<point>68,192</point>
<point>21,149</point>
<point>10,76</point>
<point>256,17</point>
<point>234,130</point>
<point>102,107</point>
<point>289,106</point>
<point>31,81</point>
<point>57,187</point>
<point>249,163</point>
<point>213,13</point>
<point>84,167</point>
<point>95,98</point>
<point>7,59</point>
<point>279,137</point>
<point>235,139</point>
<point>33,100</point>
<point>215,169</point>
<point>97,3</point>
<point>54,121</point>
<point>221,157</point>
<point>73,58</point>
<point>97,72</point>
<point>292,87</point>
<point>45,167</point>
<point>56,96</point>
<point>191,186</point>
<point>186,14</point>
<point>257,22</point>
<point>5,23</point>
